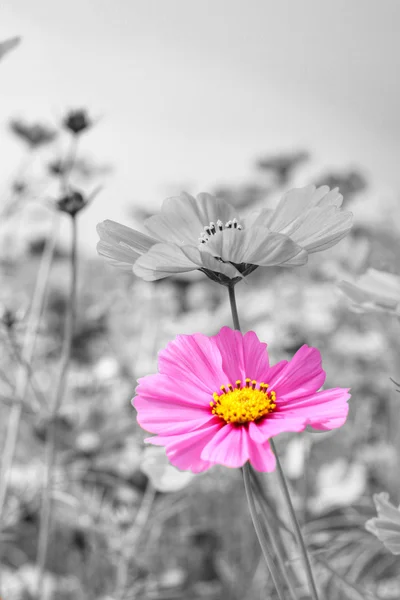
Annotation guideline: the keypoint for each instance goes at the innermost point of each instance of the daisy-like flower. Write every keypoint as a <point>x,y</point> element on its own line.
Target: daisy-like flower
<point>375,291</point>
<point>216,400</point>
<point>386,526</point>
<point>206,233</point>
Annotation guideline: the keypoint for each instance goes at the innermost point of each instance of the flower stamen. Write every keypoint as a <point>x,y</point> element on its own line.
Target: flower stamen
<point>242,404</point>
<point>213,228</point>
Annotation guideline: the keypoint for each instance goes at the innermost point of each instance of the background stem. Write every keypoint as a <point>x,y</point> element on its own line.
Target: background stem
<point>50,449</point>
<point>23,374</point>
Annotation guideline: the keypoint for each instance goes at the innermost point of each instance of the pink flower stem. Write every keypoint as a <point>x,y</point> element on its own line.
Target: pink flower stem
<point>295,525</point>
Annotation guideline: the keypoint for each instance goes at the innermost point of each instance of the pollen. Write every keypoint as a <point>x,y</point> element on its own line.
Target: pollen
<point>242,403</point>
<point>214,228</point>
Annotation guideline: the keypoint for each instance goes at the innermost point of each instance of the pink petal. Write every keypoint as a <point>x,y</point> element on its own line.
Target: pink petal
<point>175,389</point>
<point>184,451</point>
<point>229,447</point>
<point>194,359</point>
<point>274,424</point>
<point>262,458</point>
<point>170,417</point>
<point>302,375</point>
<point>324,410</point>
<point>242,355</point>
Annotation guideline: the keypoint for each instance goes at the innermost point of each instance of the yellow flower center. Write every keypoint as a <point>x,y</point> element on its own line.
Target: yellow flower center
<point>242,404</point>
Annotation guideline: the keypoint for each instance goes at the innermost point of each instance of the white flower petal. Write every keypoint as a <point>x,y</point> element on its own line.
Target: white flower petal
<point>375,290</point>
<point>121,245</point>
<point>182,218</point>
<point>212,208</point>
<point>257,219</point>
<point>213,264</point>
<point>295,206</point>
<point>381,283</point>
<point>178,222</point>
<point>163,260</point>
<point>121,257</point>
<point>324,227</point>
<point>292,206</point>
<point>256,246</point>
<point>332,198</point>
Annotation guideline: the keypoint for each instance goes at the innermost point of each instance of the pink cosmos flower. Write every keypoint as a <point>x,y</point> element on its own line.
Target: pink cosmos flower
<point>216,400</point>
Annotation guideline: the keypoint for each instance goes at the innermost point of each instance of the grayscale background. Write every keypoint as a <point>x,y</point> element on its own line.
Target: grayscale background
<point>245,100</point>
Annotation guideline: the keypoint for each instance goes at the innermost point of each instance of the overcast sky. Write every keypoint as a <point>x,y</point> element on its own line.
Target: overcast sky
<point>191,91</point>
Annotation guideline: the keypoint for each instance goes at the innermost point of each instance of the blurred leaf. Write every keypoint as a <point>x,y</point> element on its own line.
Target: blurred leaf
<point>386,526</point>
<point>8,45</point>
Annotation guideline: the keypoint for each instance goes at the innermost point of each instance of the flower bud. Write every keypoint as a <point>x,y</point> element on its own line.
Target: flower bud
<point>77,121</point>
<point>72,202</point>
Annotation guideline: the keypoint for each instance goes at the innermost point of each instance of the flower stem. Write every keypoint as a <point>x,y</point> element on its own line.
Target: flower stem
<point>23,375</point>
<point>275,541</point>
<point>234,310</point>
<point>131,538</point>
<point>50,450</point>
<point>295,524</point>
<point>246,470</point>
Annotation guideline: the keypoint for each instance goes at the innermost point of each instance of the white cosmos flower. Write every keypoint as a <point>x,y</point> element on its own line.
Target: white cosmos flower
<point>206,233</point>
<point>375,291</point>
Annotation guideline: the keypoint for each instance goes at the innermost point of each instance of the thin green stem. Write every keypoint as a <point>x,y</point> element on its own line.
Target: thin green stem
<point>259,531</point>
<point>50,450</point>
<point>295,524</point>
<point>234,310</point>
<point>23,374</point>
